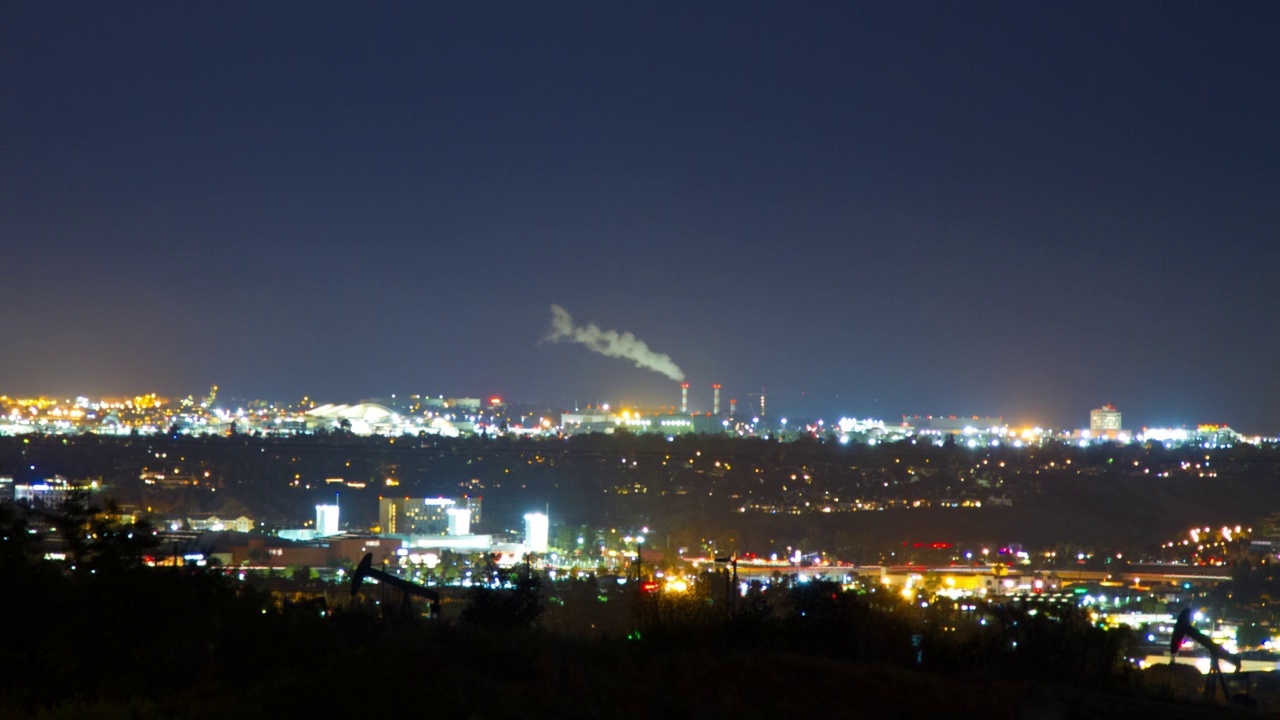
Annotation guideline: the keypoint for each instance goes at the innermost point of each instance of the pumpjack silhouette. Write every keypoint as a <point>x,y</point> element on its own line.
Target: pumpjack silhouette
<point>1184,629</point>
<point>406,588</point>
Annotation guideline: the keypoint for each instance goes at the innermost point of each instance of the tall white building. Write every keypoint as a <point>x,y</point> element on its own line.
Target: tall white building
<point>536,526</point>
<point>326,520</point>
<point>1105,418</point>
<point>459,521</point>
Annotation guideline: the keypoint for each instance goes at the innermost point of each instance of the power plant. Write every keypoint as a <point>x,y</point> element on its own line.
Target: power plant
<point>663,419</point>
<point>715,401</point>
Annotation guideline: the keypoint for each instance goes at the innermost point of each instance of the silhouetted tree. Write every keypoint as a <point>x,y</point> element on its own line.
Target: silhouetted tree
<point>519,607</point>
<point>96,540</point>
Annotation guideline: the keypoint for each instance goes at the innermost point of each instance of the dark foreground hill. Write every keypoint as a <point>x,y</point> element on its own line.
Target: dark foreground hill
<point>495,679</point>
<point>105,640</point>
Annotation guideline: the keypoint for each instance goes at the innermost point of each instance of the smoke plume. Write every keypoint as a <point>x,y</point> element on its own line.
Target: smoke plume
<point>610,343</point>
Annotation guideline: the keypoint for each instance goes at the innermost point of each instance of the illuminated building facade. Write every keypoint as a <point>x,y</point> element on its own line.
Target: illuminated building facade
<point>536,526</point>
<point>208,522</point>
<point>326,520</point>
<point>1217,436</point>
<point>952,425</point>
<point>426,516</point>
<point>459,521</point>
<point>51,493</point>
<point>638,422</point>
<point>1105,419</point>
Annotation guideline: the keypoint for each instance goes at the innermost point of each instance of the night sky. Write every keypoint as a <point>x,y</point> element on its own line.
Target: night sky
<point>948,208</point>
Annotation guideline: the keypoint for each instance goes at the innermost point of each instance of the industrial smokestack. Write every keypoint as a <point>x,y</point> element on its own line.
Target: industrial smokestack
<point>733,407</point>
<point>684,397</point>
<point>715,399</point>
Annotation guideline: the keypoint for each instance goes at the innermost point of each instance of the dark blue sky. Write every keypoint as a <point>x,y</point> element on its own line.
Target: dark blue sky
<point>942,208</point>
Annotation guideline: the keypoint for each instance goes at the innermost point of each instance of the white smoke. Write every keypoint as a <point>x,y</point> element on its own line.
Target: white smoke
<point>610,343</point>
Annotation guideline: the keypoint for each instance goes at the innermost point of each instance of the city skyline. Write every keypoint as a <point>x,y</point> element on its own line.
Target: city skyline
<point>488,408</point>
<point>996,210</point>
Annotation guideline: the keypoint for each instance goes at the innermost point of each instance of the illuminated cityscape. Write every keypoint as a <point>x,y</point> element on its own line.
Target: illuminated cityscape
<point>661,360</point>
<point>458,417</point>
<point>959,519</point>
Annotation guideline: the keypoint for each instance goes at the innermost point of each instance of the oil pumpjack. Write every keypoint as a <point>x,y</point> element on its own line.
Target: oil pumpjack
<point>1184,629</point>
<point>406,588</point>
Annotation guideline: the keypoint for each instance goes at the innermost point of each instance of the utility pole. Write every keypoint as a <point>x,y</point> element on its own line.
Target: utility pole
<point>731,582</point>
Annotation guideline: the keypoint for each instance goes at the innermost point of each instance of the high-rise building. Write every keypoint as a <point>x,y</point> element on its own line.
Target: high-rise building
<point>536,527</point>
<point>326,520</point>
<point>459,521</point>
<point>1105,419</point>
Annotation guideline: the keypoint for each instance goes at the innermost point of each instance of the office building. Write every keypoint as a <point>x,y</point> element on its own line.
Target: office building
<point>427,516</point>
<point>1105,419</point>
